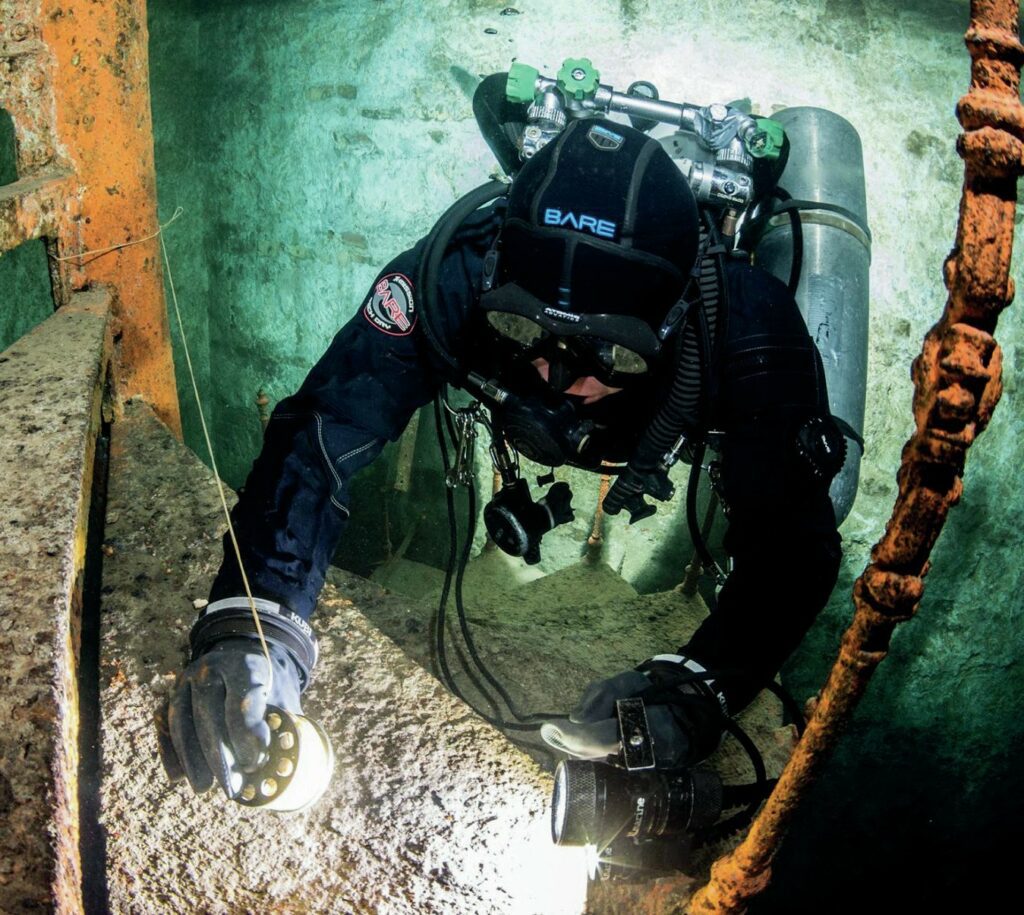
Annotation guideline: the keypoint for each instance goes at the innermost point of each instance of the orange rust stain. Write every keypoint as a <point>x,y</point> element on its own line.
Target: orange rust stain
<point>101,94</point>
<point>957,383</point>
<point>596,536</point>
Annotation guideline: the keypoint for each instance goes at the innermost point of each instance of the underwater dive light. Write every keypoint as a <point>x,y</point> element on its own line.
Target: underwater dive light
<point>638,818</point>
<point>593,802</point>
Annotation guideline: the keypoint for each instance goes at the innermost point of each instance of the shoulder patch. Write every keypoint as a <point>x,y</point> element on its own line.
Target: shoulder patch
<point>391,307</point>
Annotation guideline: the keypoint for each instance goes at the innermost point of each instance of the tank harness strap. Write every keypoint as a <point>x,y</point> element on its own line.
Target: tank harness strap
<point>794,205</point>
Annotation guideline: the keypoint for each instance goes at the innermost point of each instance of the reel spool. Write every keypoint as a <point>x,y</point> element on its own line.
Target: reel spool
<point>298,767</point>
<point>295,773</point>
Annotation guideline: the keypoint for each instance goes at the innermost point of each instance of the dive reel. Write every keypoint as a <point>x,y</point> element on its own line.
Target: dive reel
<point>293,773</point>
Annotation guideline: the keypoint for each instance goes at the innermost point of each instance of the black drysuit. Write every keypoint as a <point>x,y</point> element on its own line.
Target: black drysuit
<point>377,372</point>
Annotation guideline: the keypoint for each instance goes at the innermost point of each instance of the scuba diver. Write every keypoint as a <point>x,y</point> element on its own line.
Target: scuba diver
<point>576,308</point>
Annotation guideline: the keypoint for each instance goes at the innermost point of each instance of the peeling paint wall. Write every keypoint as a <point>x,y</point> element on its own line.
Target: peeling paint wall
<point>178,137</point>
<point>311,141</point>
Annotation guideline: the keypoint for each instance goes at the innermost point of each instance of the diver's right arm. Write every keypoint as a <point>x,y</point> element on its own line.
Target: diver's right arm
<point>288,520</point>
<point>295,504</point>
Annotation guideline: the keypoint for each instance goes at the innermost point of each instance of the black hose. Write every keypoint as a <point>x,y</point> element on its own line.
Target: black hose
<point>707,360</point>
<point>797,227</point>
<point>439,624</point>
<point>758,791</point>
<point>458,573</point>
<point>681,411</point>
<point>687,407</point>
<point>789,704</point>
<point>692,486</point>
<point>429,267</point>
<point>467,635</point>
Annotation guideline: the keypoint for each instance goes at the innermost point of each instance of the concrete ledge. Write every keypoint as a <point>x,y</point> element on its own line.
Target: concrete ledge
<point>35,208</point>
<point>51,385</point>
<point>430,809</point>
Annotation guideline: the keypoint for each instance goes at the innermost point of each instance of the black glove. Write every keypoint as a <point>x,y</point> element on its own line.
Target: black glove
<point>684,715</point>
<point>215,714</point>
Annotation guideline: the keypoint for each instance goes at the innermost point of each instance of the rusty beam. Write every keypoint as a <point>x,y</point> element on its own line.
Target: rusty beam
<point>957,383</point>
<point>52,381</point>
<point>26,93</point>
<point>94,88</point>
<point>26,89</point>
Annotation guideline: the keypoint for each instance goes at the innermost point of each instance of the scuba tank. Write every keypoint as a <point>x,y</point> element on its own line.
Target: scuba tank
<point>825,181</point>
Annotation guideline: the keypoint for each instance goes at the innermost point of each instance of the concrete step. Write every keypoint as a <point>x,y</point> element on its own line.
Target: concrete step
<point>430,809</point>
<point>51,385</point>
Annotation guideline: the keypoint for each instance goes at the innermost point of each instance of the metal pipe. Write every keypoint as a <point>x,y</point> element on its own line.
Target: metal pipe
<point>262,402</point>
<point>595,541</point>
<point>957,381</point>
<point>695,566</point>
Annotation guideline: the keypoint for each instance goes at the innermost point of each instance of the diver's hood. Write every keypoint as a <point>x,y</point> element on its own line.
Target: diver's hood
<point>598,242</point>
<point>599,222</point>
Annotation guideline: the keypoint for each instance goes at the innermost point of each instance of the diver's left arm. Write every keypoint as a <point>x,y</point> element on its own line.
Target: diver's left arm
<point>782,535</point>
<point>782,539</point>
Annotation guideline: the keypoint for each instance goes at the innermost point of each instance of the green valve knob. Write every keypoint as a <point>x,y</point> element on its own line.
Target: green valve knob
<point>766,142</point>
<point>521,85</point>
<point>578,79</point>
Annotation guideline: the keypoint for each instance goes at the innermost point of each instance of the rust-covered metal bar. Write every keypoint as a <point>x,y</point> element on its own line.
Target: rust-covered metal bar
<point>957,382</point>
<point>33,208</point>
<point>45,201</point>
<point>100,98</point>
<point>74,76</point>
<point>595,541</point>
<point>262,402</point>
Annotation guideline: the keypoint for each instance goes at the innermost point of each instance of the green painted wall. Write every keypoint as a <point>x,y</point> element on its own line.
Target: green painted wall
<point>25,297</point>
<point>311,141</point>
<point>178,135</point>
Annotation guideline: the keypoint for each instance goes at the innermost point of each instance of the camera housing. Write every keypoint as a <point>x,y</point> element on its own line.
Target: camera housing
<point>639,819</point>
